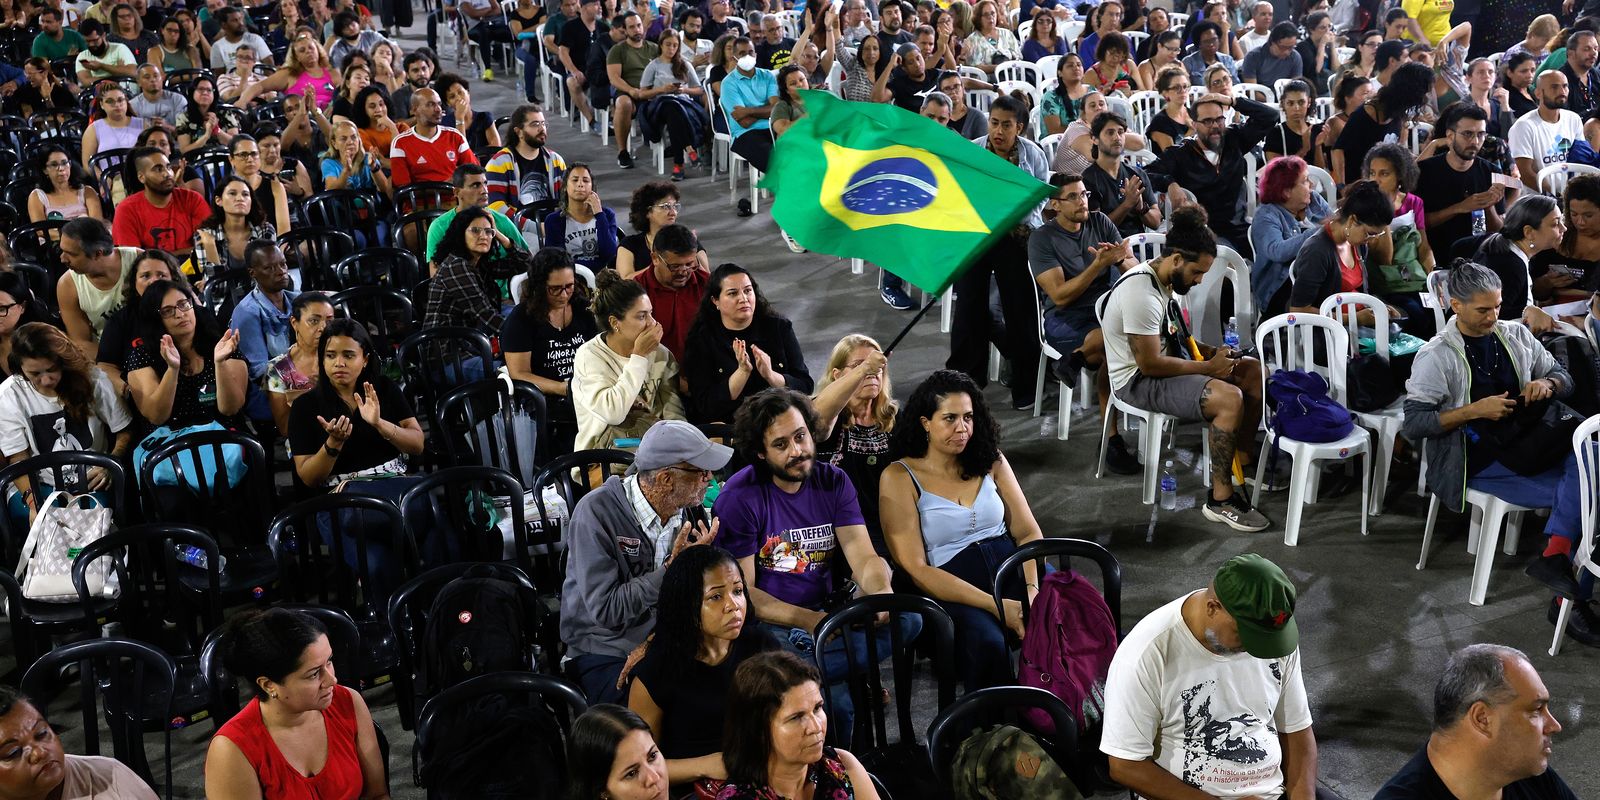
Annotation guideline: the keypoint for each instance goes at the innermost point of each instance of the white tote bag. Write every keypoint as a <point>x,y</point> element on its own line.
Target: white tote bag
<point>64,526</point>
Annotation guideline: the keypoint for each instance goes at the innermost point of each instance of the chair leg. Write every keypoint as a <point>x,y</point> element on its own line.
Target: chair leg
<point>1513,533</point>
<point>1086,379</point>
<point>1063,412</point>
<point>1488,532</point>
<point>1105,437</point>
<point>1384,458</point>
<point>994,363</point>
<point>1299,483</point>
<point>1427,531</point>
<point>947,310</point>
<point>857,266</point>
<point>1151,447</point>
<point>1561,626</point>
<point>1472,533</point>
<point>1366,487</point>
<point>755,190</point>
<point>1038,385</point>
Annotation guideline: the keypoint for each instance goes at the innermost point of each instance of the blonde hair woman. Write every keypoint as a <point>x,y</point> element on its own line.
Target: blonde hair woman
<point>855,410</point>
<point>1541,30</point>
<point>305,71</point>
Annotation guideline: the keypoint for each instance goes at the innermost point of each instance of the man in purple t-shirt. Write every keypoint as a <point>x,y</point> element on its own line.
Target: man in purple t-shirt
<point>788,520</point>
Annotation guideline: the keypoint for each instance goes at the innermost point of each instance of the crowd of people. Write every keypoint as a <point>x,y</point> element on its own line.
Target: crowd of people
<point>1318,149</point>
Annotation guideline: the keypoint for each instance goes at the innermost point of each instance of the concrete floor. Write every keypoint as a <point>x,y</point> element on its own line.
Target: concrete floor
<point>1374,630</point>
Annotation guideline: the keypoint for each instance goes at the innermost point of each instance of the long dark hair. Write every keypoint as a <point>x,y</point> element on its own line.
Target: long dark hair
<point>255,216</point>
<point>44,341</point>
<point>194,114</point>
<point>130,277</point>
<point>677,635</point>
<point>358,105</point>
<point>910,440</point>
<point>783,81</point>
<point>546,261</point>
<point>76,178</point>
<point>32,310</point>
<point>151,327</point>
<point>454,242</point>
<point>592,748</point>
<point>344,326</point>
<point>1406,91</point>
<point>708,315</point>
<point>755,697</point>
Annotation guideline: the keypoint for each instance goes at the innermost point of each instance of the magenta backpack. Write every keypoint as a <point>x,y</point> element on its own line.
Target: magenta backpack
<point>1067,652</point>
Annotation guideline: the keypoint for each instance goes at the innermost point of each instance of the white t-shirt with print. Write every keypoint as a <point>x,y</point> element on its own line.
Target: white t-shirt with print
<point>1212,721</point>
<point>1544,142</point>
<point>31,422</point>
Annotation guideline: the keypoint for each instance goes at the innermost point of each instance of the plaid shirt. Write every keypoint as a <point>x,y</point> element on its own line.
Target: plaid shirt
<point>461,295</point>
<point>660,533</point>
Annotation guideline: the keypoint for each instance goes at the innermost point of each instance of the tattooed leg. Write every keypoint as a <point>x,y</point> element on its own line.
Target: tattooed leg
<point>1222,405</point>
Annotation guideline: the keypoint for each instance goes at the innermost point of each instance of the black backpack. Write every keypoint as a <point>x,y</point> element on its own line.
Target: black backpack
<point>1578,357</point>
<point>476,626</point>
<point>495,747</point>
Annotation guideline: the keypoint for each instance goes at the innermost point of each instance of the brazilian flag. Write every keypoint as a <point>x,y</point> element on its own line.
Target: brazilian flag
<point>876,182</point>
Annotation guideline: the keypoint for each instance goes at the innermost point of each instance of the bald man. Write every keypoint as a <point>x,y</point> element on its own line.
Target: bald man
<point>429,151</point>
<point>1543,136</point>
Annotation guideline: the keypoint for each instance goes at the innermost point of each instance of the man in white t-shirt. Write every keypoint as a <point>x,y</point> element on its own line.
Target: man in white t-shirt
<point>1261,20</point>
<point>1206,693</point>
<point>1543,136</point>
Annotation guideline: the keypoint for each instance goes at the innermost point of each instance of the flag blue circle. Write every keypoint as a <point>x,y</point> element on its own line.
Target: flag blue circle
<point>896,185</point>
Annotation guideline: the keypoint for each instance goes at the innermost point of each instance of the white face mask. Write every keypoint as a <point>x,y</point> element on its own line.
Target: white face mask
<point>746,63</point>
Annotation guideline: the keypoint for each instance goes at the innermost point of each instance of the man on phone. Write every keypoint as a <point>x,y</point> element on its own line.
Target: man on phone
<point>619,541</point>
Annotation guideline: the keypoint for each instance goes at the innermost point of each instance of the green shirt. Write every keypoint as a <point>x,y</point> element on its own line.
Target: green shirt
<point>502,223</point>
<point>49,49</point>
<point>553,27</point>
<point>633,60</point>
<point>1556,60</point>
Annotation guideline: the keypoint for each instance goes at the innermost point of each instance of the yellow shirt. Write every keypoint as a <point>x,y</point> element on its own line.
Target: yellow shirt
<point>1433,16</point>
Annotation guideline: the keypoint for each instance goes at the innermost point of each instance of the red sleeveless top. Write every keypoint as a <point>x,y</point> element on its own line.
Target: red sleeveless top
<point>340,778</point>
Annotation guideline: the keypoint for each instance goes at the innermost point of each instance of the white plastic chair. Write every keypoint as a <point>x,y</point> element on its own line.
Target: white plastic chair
<point>1064,396</point>
<point>1278,86</point>
<point>981,99</point>
<point>1325,184</point>
<point>1146,105</point>
<point>1254,91</point>
<point>1488,513</point>
<point>1135,38</point>
<point>972,72</point>
<point>1288,341</point>
<point>1032,91</point>
<point>1049,144</point>
<point>1070,31</point>
<point>1553,179</point>
<point>1252,198</point>
<point>1385,422</point>
<point>1586,444</point>
<point>836,78</point>
<point>1421,132</point>
<point>734,160</point>
<point>1323,108</point>
<point>1235,269</point>
<point>1345,54</point>
<point>1047,67</point>
<point>1138,158</point>
<point>1179,21</point>
<point>1025,71</point>
<point>1146,246</point>
<point>1120,105</point>
<point>791,22</point>
<point>1024,30</point>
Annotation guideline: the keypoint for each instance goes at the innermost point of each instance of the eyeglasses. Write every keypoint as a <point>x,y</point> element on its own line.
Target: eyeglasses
<point>247,154</point>
<point>5,310</point>
<point>172,311</point>
<point>669,206</point>
<point>565,288</point>
<point>701,475</point>
<point>537,123</point>
<point>1209,121</point>
<point>687,266</point>
<point>57,164</point>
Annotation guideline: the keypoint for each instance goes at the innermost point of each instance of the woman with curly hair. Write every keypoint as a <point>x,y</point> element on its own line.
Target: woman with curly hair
<point>737,347</point>
<point>653,206</point>
<point>701,637</point>
<point>954,509</point>
<point>541,337</point>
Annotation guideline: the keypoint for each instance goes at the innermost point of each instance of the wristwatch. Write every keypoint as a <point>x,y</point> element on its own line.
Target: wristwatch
<point>332,451</point>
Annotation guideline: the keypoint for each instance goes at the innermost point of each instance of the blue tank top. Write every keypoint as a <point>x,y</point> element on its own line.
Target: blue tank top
<point>949,527</point>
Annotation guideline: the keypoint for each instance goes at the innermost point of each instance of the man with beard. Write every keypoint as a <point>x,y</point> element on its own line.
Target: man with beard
<point>349,37</point>
<point>692,24</point>
<point>891,15</point>
<point>1492,731</point>
<point>1210,165</point>
<point>578,36</point>
<point>1156,365</point>
<point>1583,77</point>
<point>1205,696</point>
<point>721,22</point>
<point>525,176</point>
<point>774,51</point>
<point>472,191</point>
<point>675,283</point>
<point>429,151</point>
<point>788,520</point>
<point>419,75</point>
<point>165,215</point>
<point>1456,184</point>
<point>1544,135</point>
<point>1118,189</point>
<point>621,537</point>
<point>101,57</point>
<point>625,67</point>
<point>90,291</point>
<point>234,36</point>
<point>152,102</point>
<point>55,40</point>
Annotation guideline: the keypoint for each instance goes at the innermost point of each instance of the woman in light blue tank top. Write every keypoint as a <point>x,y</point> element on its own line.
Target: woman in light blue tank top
<point>952,510</point>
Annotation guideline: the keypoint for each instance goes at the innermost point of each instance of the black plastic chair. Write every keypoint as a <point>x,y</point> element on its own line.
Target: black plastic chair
<point>1010,570</point>
<point>65,470</point>
<point>136,681</point>
<point>10,217</point>
<point>1002,705</point>
<point>434,361</point>
<point>39,243</point>
<point>494,423</point>
<point>409,613</point>
<point>38,279</point>
<point>109,162</point>
<point>445,717</point>
<point>424,196</point>
<point>870,739</point>
<point>312,541</point>
<point>459,500</point>
<point>384,312</point>
<point>314,251</point>
<point>212,169</point>
<point>181,80</point>
<point>224,291</point>
<point>390,267</point>
<point>343,637</point>
<point>238,514</point>
<point>573,476</point>
<point>411,232</point>
<point>62,122</point>
<point>351,210</point>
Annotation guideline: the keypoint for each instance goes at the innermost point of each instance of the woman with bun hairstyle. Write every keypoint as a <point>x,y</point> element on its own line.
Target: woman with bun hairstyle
<point>1334,259</point>
<point>624,380</point>
<point>303,736</point>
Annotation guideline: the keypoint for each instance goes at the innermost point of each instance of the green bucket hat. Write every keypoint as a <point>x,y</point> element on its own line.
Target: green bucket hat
<point>1261,600</point>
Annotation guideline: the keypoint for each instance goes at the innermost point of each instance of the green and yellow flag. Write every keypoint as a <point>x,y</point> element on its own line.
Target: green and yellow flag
<point>876,182</point>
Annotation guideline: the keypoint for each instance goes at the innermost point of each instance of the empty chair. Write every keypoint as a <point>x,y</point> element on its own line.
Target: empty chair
<point>312,252</point>
<point>351,210</point>
<point>494,423</point>
<point>532,716</point>
<point>391,267</point>
<point>384,312</point>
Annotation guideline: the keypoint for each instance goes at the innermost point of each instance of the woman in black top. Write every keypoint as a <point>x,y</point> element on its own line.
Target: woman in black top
<point>1319,57</point>
<point>182,371</point>
<point>1379,119</point>
<point>705,628</point>
<point>117,337</point>
<point>738,346</point>
<point>1297,135</point>
<point>1532,225</point>
<point>477,126</point>
<point>1571,270</point>
<point>653,206</point>
<point>41,92</point>
<point>1171,124</point>
<point>542,336</point>
<point>1333,259</point>
<point>1516,75</point>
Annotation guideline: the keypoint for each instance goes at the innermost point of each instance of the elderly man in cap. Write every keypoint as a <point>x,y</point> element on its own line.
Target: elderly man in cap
<point>1205,697</point>
<point>1491,733</point>
<point>621,537</point>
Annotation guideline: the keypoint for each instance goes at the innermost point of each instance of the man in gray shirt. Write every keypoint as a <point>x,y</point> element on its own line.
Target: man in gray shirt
<point>153,101</point>
<point>621,537</point>
<point>964,119</point>
<point>1274,60</point>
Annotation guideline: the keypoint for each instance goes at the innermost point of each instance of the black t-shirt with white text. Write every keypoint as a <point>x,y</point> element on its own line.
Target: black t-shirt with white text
<point>1106,193</point>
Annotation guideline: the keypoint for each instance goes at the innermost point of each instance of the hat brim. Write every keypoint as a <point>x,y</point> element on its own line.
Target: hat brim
<point>714,458</point>
<point>1265,643</point>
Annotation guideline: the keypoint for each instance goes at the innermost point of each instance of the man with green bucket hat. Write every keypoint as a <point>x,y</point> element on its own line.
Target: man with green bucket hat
<point>1205,697</point>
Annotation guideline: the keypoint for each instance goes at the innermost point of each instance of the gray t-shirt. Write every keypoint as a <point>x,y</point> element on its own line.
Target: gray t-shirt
<point>167,106</point>
<point>659,73</point>
<point>1264,68</point>
<point>1137,308</point>
<point>1053,246</point>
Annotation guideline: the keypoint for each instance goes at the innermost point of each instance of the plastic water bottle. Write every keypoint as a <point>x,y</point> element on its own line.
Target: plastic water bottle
<point>1047,426</point>
<point>1230,334</point>
<point>1479,224</point>
<point>196,557</point>
<point>1169,487</point>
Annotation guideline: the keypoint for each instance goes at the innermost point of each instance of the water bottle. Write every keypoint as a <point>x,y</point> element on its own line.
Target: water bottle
<point>196,557</point>
<point>1479,226</point>
<point>1047,426</point>
<point>1169,487</point>
<point>1230,334</point>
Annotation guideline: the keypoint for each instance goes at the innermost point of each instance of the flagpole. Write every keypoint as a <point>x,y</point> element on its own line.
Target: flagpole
<point>910,325</point>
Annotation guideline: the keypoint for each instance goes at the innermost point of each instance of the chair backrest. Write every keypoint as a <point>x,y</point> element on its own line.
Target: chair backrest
<point>1139,158</point>
<point>411,232</point>
<point>325,551</point>
<point>495,423</point>
<point>1145,104</point>
<point>424,195</point>
<point>1297,341</point>
<point>981,99</point>
<point>1252,197</point>
<point>1343,308</point>
<point>40,243</point>
<point>1049,144</point>
<point>1439,290</point>
<point>464,502</point>
<point>1586,446</point>
<point>383,311</point>
<point>65,469</point>
<point>154,580</point>
<point>997,705</point>
<point>224,291</point>
<point>238,513</point>
<point>572,475</point>
<point>436,360</point>
<point>393,267</point>
<point>1146,246</point>
<point>136,682</point>
<point>313,251</point>
<point>856,622</point>
<point>1254,91</point>
<point>212,168</point>
<point>1421,132</point>
<point>1010,570</point>
<point>1322,108</point>
<point>1047,68</point>
<point>351,210</point>
<point>468,701</point>
<point>1120,105</point>
<point>1025,71</point>
<point>1324,182</point>
<point>1243,301</point>
<point>1553,179</point>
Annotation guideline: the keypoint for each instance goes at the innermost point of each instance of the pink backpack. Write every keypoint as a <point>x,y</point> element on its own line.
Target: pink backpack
<point>1067,652</point>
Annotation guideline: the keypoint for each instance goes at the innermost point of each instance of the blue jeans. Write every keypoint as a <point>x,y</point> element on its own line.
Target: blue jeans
<point>530,71</point>
<point>836,666</point>
<point>597,676</point>
<point>983,658</point>
<point>1556,488</point>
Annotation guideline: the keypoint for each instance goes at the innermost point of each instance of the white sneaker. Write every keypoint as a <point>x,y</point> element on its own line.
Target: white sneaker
<point>794,246</point>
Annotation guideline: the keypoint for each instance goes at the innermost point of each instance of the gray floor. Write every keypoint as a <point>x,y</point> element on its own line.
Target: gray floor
<point>1374,630</point>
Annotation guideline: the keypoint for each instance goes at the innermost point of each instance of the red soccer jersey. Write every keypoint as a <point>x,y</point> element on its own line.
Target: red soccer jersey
<point>414,159</point>
<point>139,224</point>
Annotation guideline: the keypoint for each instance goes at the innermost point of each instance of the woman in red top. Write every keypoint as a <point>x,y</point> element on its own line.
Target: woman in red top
<point>303,737</point>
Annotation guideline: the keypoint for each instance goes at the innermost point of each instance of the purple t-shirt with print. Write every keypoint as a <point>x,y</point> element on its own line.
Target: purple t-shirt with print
<point>792,536</point>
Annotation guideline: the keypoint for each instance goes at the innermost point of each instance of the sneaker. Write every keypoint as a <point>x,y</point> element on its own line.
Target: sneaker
<point>1276,478</point>
<point>1235,512</point>
<point>1554,571</point>
<point>1583,626</point>
<point>1068,369</point>
<point>677,172</point>
<point>624,159</point>
<point>1120,460</point>
<point>488,75</point>
<point>794,246</point>
<point>744,208</point>
<point>692,156</point>
<point>896,298</point>
<point>1022,403</point>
